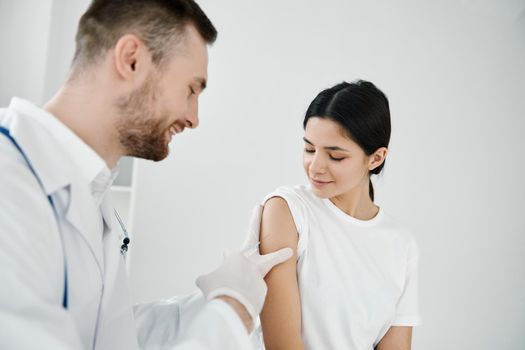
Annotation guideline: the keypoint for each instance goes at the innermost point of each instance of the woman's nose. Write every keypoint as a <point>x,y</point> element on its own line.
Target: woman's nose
<point>318,164</point>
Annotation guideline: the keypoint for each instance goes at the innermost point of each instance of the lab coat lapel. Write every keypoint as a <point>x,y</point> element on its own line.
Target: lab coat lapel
<point>114,261</point>
<point>83,214</point>
<point>117,325</point>
<point>107,212</point>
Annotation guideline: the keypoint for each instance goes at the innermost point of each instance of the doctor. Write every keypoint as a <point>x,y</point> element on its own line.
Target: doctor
<point>138,71</point>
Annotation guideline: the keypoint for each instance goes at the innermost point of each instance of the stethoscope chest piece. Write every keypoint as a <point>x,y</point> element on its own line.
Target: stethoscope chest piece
<point>126,240</point>
<point>124,246</point>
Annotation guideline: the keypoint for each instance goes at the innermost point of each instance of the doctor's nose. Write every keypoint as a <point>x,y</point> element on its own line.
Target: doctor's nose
<point>192,117</point>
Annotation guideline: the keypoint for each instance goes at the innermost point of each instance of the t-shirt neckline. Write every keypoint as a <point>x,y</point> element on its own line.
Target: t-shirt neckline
<point>335,209</point>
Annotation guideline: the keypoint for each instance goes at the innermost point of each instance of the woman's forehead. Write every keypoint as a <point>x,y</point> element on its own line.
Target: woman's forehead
<point>326,132</point>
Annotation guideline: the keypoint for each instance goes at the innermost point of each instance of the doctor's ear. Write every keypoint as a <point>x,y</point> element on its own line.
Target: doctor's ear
<point>132,58</point>
<point>377,158</point>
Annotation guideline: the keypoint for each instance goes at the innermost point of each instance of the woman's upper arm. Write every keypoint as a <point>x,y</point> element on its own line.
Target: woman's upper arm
<point>397,338</point>
<point>281,314</point>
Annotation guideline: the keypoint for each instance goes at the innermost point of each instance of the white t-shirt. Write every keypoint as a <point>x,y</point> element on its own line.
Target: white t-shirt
<point>356,278</point>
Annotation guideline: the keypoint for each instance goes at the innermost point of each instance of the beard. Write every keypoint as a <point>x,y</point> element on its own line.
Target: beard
<point>140,127</point>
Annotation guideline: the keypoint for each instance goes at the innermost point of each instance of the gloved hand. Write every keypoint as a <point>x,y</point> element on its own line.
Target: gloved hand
<point>241,276</point>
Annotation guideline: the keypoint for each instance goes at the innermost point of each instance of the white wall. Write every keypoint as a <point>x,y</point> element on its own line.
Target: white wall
<point>37,39</point>
<point>455,75</point>
<point>64,21</point>
<point>24,33</point>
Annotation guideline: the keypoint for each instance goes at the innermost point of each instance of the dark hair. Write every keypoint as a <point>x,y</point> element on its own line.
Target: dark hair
<point>361,109</point>
<point>158,23</point>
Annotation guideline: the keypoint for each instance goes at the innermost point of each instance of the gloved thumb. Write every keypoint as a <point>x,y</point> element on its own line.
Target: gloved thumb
<point>252,238</point>
<point>266,262</point>
<point>226,253</point>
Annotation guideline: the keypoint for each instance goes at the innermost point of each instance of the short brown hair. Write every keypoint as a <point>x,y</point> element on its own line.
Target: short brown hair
<point>160,24</point>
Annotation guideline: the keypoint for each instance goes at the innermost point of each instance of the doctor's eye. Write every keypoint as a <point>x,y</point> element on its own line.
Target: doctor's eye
<point>309,150</point>
<point>192,91</point>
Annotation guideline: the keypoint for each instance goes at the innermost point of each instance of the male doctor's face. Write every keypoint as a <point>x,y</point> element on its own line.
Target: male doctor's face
<point>166,103</point>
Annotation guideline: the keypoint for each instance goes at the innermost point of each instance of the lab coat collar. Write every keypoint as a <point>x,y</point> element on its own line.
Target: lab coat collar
<point>30,127</point>
<point>24,121</point>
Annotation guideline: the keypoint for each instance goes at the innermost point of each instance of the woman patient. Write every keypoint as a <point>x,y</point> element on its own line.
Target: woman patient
<point>353,282</point>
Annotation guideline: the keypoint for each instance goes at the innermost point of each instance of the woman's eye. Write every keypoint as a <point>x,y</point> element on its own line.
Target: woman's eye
<point>192,92</point>
<point>309,150</point>
<point>337,159</point>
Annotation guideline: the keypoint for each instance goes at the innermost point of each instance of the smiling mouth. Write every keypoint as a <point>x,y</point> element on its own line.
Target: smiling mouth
<point>319,182</point>
<point>174,130</point>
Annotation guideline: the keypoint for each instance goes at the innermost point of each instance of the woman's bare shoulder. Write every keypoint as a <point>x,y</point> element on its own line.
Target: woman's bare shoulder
<point>278,228</point>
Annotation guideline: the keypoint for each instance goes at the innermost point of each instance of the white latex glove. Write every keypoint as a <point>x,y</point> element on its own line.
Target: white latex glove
<point>241,276</point>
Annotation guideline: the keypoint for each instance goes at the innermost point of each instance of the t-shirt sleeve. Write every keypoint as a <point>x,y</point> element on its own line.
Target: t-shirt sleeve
<point>407,309</point>
<point>297,207</point>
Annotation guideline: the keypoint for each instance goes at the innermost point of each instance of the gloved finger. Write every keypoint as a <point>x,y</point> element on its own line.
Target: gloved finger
<point>268,261</point>
<point>252,239</point>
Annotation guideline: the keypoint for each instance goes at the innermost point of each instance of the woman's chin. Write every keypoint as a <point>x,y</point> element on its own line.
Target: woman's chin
<point>321,193</point>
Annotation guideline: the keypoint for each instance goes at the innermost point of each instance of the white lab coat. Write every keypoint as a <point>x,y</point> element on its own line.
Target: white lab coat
<point>99,315</point>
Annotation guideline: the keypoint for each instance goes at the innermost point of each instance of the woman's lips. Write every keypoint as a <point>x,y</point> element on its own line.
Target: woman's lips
<point>319,183</point>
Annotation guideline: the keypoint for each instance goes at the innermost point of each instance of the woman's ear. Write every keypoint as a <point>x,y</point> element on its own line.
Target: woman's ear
<point>377,158</point>
<point>132,59</point>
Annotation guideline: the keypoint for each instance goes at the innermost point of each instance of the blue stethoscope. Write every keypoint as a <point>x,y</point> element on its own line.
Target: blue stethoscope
<point>125,241</point>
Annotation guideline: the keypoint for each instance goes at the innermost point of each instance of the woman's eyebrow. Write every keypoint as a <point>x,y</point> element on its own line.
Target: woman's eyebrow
<point>330,148</point>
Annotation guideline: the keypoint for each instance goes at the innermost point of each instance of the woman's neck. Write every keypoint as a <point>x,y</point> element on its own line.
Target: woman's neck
<point>357,203</point>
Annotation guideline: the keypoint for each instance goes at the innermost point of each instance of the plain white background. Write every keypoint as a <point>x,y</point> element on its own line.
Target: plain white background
<point>454,72</point>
